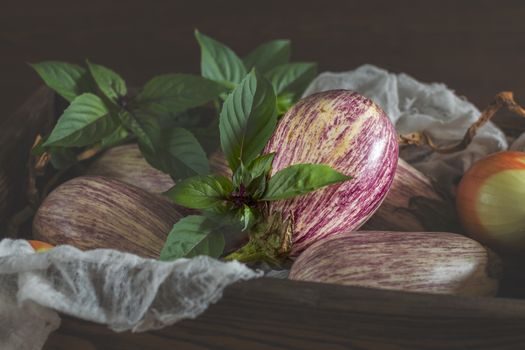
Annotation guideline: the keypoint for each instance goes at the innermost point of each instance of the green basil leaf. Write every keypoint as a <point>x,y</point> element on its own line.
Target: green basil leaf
<point>110,83</point>
<point>144,128</point>
<point>208,136</point>
<point>300,179</point>
<point>248,217</point>
<point>68,80</point>
<point>175,93</point>
<point>261,165</point>
<point>62,158</point>
<point>115,138</point>
<point>292,77</point>
<point>185,147</point>
<point>84,122</point>
<point>219,62</point>
<point>192,236</point>
<point>240,176</point>
<point>257,170</point>
<point>200,192</point>
<point>247,120</point>
<point>268,55</point>
<point>173,150</point>
<point>257,186</point>
<point>224,215</point>
<point>284,102</point>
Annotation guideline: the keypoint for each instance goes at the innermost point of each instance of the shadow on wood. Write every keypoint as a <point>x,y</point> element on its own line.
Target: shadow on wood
<point>280,314</point>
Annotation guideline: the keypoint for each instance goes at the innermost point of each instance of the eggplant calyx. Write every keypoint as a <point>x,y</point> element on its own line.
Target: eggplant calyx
<point>270,242</point>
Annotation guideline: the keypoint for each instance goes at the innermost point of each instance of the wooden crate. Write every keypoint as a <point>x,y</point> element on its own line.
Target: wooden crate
<point>281,314</point>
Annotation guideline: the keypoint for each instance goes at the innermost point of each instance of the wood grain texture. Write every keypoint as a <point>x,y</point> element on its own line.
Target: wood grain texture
<point>278,314</point>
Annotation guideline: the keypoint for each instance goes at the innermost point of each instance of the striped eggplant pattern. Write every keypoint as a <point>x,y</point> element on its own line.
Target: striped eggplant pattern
<point>126,163</point>
<point>431,262</point>
<point>92,212</point>
<point>353,135</point>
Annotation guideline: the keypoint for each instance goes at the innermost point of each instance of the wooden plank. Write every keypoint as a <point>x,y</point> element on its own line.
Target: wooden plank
<point>280,314</point>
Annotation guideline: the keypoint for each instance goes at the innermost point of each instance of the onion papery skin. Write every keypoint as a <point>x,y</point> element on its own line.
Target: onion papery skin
<point>429,262</point>
<point>353,135</point>
<point>491,201</point>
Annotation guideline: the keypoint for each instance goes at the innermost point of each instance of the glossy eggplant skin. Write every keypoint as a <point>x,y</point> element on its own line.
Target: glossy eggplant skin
<point>431,262</point>
<point>353,135</point>
<point>92,212</point>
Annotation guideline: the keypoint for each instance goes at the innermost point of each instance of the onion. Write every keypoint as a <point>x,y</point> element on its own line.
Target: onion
<point>95,212</point>
<point>429,262</point>
<point>491,201</point>
<point>353,135</point>
<point>126,163</point>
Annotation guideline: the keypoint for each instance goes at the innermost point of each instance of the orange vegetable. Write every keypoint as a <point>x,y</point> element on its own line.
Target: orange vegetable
<point>491,201</point>
<point>40,246</point>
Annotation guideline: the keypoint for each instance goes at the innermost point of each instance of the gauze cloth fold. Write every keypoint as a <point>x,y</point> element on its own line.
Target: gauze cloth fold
<point>122,290</point>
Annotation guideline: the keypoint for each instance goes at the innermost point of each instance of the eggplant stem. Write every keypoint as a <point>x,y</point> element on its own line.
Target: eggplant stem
<point>250,253</point>
<point>503,99</point>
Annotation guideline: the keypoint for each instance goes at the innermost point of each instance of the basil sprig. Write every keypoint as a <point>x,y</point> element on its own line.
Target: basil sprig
<point>102,113</point>
<point>250,93</point>
<point>247,120</point>
<point>272,59</point>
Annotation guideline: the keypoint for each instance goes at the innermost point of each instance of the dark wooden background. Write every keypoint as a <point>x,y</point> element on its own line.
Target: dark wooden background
<point>475,47</point>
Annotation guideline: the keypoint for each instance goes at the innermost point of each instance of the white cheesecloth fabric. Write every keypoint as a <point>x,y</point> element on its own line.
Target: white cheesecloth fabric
<point>122,290</point>
<point>130,293</point>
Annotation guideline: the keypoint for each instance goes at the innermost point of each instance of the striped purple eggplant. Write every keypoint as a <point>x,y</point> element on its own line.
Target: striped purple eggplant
<point>96,212</point>
<point>353,135</point>
<point>126,163</point>
<point>431,262</point>
<point>414,204</point>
